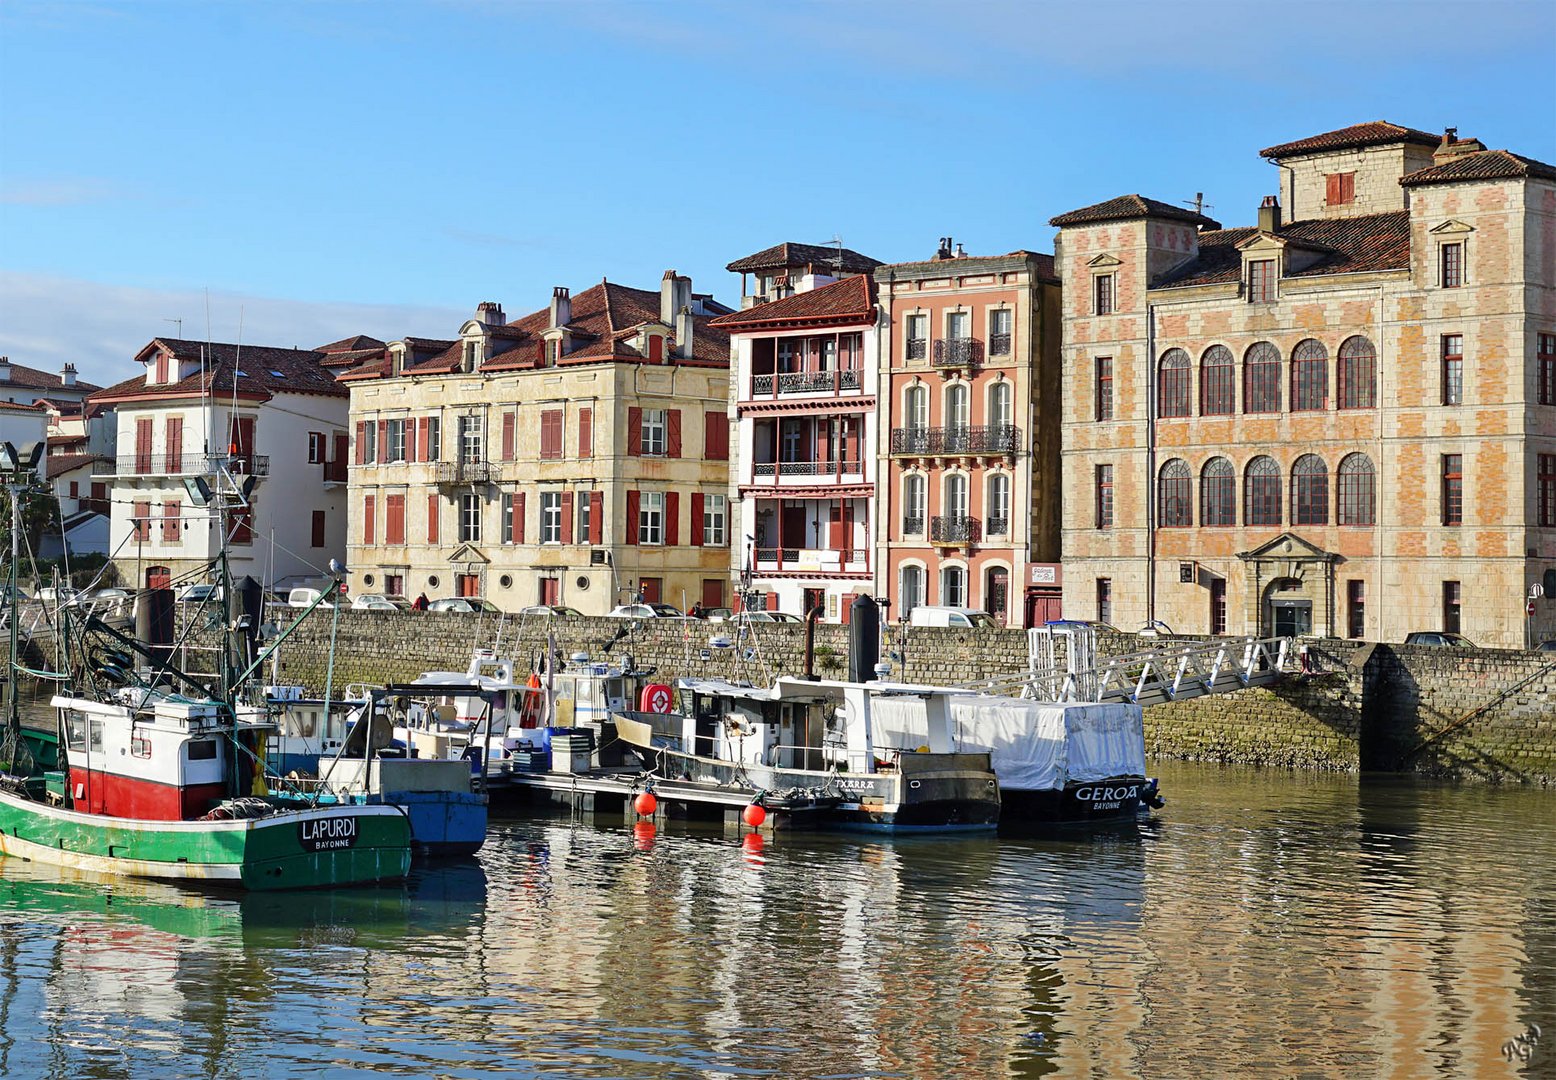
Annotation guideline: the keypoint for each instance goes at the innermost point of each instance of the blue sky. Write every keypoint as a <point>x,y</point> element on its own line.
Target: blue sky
<point>323,169</point>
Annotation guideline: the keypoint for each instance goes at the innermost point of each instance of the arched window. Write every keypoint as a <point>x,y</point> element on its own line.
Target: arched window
<point>997,509</point>
<point>996,593</point>
<point>1218,493</point>
<point>953,586</point>
<point>1355,504</point>
<point>956,495</point>
<point>1172,387</point>
<point>1217,382</point>
<point>999,403</point>
<point>917,401</point>
<point>1358,374</point>
<point>1309,376</point>
<point>1261,489</point>
<point>1261,378</point>
<point>912,590</point>
<point>913,492</point>
<point>1309,491</point>
<point>1175,499</point>
<point>956,405</point>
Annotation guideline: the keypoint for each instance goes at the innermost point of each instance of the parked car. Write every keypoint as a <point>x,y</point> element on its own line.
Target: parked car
<point>766,617</point>
<point>64,594</point>
<point>932,615</point>
<point>200,594</point>
<point>465,605</point>
<point>1548,645</point>
<point>302,597</point>
<point>1439,637</point>
<point>560,611</point>
<point>377,602</point>
<point>645,611</point>
<point>1100,627</point>
<point>712,614</point>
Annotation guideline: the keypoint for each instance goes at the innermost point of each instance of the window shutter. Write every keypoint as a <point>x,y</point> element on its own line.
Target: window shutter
<point>383,442</point>
<point>318,528</point>
<point>567,517</point>
<point>361,443</point>
<point>673,432</point>
<point>845,608</point>
<point>367,519</point>
<point>1332,189</point>
<point>432,519</point>
<point>170,521</point>
<point>507,436</point>
<point>596,516</point>
<point>772,601</point>
<point>518,518</point>
<point>716,424</point>
<point>1348,187</point>
<point>632,515</point>
<point>586,432</point>
<point>634,432</point>
<point>697,519</point>
<point>423,426</point>
<point>175,443</point>
<point>672,518</point>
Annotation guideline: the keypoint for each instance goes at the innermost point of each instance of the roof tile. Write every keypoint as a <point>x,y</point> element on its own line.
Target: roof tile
<point>1481,165</point>
<point>1372,133</point>
<point>852,299</point>
<point>1354,245</point>
<point>789,254</point>
<point>1128,207</point>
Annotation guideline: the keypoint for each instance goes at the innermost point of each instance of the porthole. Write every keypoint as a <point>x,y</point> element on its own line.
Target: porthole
<point>432,582</point>
<point>367,579</point>
<point>506,581</point>
<point>582,583</point>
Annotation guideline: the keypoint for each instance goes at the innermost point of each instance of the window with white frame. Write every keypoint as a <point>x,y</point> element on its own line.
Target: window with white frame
<point>956,407</point>
<point>1000,321</point>
<point>655,426</point>
<point>550,517</point>
<point>956,495</point>
<point>715,516</point>
<point>957,324</point>
<point>584,520</point>
<point>917,401</point>
<point>917,337</point>
<point>394,434</point>
<point>953,586</point>
<point>369,452</point>
<point>469,518</point>
<point>471,438</point>
<point>999,505</point>
<point>999,403</point>
<point>434,437</point>
<point>507,518</point>
<point>651,517</point>
<point>914,491</point>
<point>912,590</point>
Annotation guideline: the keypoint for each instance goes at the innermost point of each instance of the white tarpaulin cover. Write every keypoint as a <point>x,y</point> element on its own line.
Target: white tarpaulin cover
<point>1040,746</point>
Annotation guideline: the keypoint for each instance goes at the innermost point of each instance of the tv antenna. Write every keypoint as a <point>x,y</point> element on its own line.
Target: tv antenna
<point>1198,203</point>
<point>837,259</point>
<point>180,324</point>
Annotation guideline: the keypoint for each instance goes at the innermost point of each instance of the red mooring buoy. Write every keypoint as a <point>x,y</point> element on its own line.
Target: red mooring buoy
<point>754,815</point>
<point>645,804</point>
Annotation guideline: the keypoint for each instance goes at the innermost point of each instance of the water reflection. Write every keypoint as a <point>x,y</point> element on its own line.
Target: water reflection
<point>1268,923</point>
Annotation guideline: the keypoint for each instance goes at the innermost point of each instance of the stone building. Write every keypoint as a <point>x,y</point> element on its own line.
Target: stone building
<point>576,456</point>
<point>969,496</point>
<point>1339,421</point>
<point>804,398</point>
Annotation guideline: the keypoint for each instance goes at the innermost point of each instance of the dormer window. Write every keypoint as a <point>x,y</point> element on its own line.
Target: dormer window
<point>1261,281</point>
<point>161,376</point>
<point>471,357</point>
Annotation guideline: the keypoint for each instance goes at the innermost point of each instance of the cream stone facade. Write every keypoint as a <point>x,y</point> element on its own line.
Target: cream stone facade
<point>574,457</point>
<point>1340,425</point>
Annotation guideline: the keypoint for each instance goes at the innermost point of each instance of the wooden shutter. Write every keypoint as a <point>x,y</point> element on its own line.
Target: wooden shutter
<point>1332,189</point>
<point>551,433</point>
<point>367,519</point>
<point>394,519</point>
<point>318,528</point>
<point>432,519</point>
<point>772,601</point>
<point>672,432</point>
<point>383,442</point>
<point>518,518</point>
<point>586,432</point>
<point>170,531</point>
<point>596,516</point>
<point>423,426</point>
<point>143,446</point>
<point>175,444</point>
<point>567,517</point>
<point>634,432</point>
<point>361,452</point>
<point>672,517</point>
<point>632,516</point>
<point>1347,187</point>
<point>697,519</point>
<point>716,442</point>
<point>507,436</point>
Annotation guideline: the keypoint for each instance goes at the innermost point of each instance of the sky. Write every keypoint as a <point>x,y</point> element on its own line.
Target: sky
<point>290,173</point>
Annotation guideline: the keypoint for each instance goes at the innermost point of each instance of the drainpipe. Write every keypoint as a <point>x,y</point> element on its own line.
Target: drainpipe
<point>810,642</point>
<point>1150,462</point>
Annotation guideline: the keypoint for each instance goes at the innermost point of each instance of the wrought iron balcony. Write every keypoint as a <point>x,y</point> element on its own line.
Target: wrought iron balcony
<point>805,382</point>
<point>334,471</point>
<point>999,526</point>
<point>999,344</point>
<point>810,560</point>
<point>955,529</point>
<point>917,348</point>
<point>190,464</point>
<point>958,352</point>
<point>805,468</point>
<point>468,472</point>
<point>982,439</point>
<point>913,526</point>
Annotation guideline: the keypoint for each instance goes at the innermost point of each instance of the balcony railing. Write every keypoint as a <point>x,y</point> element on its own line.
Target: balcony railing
<point>917,348</point>
<point>468,472</point>
<point>806,468</point>
<point>999,344</point>
<point>913,526</point>
<point>190,464</point>
<point>955,529</point>
<point>334,471</point>
<point>958,352</point>
<point>821,560</point>
<point>981,439</point>
<point>999,526</point>
<point>805,382</point>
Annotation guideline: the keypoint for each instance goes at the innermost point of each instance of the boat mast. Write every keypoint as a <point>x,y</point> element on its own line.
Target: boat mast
<point>17,474</point>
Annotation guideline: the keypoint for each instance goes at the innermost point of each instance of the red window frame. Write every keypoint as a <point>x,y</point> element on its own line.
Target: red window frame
<point>1104,496</point>
<point>1451,265</point>
<point>1104,388</point>
<point>1218,494</point>
<point>1453,369</point>
<point>1218,382</point>
<point>1453,489</point>
<point>1172,388</point>
<point>1545,485</point>
<point>1545,356</point>
<point>1309,377</point>
<point>1261,281</point>
<point>1309,491</point>
<point>1357,373</point>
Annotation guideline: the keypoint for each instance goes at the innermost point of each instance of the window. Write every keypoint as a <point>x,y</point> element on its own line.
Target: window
<point>1217,382</point>
<point>1546,358</point>
<point>585,516</point>
<point>1102,294</point>
<point>1175,500</point>
<point>171,533</point>
<point>394,519</point>
<point>957,324</point>
<point>1309,377</point>
<point>956,407</point>
<point>1104,488</point>
<point>551,433</point>
<point>550,517</point>
<point>913,495</point>
<point>1451,265</point>
<point>1261,281</point>
<point>1358,374</point>
<point>1545,486</point>
<point>505,516</point>
<point>912,590</point>
<point>1104,600</point>
<point>318,448</point>
<point>1261,378</point>
<point>318,528</point>
<point>394,584</point>
<point>586,434</point>
<point>1453,369</point>
<point>1339,189</point>
<point>471,438</point>
<point>715,428</point>
<point>999,404</point>
<point>434,513</point>
<point>917,403</point>
<point>395,435</point>
<point>956,496</point>
<point>1309,491</point>
<point>1453,597</point>
<point>917,337</point>
<point>1172,386</point>
<point>1356,504</point>
<point>369,525</point>
<point>998,507</point>
<point>655,426</point>
<point>1104,388</point>
<point>651,517</point>
<point>953,586</point>
<point>1218,493</point>
<point>1453,489</point>
<point>368,437</point>
<point>1000,321</point>
<point>469,518</point>
<point>715,517</point>
<point>434,438</point>
<point>1355,608</point>
<point>1261,492</point>
<point>1218,605</point>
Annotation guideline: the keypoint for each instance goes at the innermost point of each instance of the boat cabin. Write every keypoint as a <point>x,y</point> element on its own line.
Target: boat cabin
<point>166,760</point>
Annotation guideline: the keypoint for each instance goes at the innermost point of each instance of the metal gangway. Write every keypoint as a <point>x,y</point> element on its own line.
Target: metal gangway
<point>1063,665</point>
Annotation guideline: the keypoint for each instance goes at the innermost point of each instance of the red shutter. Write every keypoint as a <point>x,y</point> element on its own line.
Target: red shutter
<point>1332,189</point>
<point>585,432</point>
<point>318,528</point>
<point>632,514</point>
<point>432,519</point>
<point>697,519</point>
<point>383,442</point>
<point>175,444</point>
<point>567,517</point>
<point>716,424</point>
<point>596,517</point>
<point>143,446</point>
<point>361,453</point>
<point>423,425</point>
<point>518,518</point>
<point>845,605</point>
<point>551,433</point>
<point>141,522</point>
<point>673,436</point>
<point>394,519</point>
<point>672,517</point>
<point>634,432</point>
<point>367,519</point>
<point>772,601</point>
<point>507,436</point>
<point>1348,187</point>
<point>170,530</point>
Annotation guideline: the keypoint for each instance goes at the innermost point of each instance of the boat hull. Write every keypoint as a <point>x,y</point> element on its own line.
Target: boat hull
<point>1116,799</point>
<point>345,845</point>
<point>444,824</point>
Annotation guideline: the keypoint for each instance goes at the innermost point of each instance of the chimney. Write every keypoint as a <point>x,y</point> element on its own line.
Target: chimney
<point>684,329</point>
<point>944,250</point>
<point>490,313</point>
<point>675,293</point>
<point>1452,147</point>
<point>5,369</point>
<point>1269,214</point>
<point>561,307</point>
<point>67,375</point>
<point>960,254</point>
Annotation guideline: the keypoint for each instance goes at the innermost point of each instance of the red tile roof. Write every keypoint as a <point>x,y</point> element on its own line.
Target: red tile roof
<point>59,464</point>
<point>784,255</point>
<point>256,371</point>
<point>351,344</point>
<point>846,301</point>
<point>1372,133</point>
<point>33,379</point>
<point>1481,165</point>
<point>1352,245</point>
<point>1128,207</point>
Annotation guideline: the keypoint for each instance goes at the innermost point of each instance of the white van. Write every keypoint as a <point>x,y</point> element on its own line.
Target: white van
<point>967,617</point>
<point>301,598</point>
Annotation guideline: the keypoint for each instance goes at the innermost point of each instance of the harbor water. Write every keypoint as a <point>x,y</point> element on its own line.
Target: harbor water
<point>1265,923</point>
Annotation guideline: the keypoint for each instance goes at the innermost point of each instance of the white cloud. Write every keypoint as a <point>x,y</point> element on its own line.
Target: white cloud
<point>47,321</point>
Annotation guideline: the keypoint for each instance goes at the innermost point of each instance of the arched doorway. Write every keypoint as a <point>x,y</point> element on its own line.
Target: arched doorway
<point>996,593</point>
<point>1288,610</point>
<point>158,577</point>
